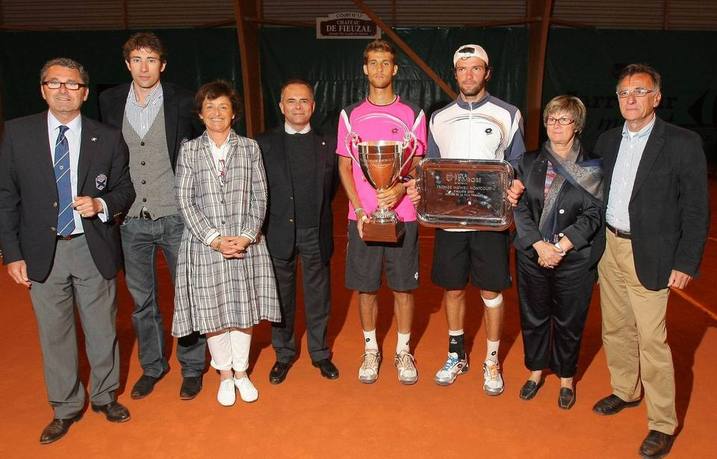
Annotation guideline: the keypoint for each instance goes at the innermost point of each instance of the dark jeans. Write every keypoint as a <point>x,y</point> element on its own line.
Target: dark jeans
<point>317,299</point>
<point>140,240</point>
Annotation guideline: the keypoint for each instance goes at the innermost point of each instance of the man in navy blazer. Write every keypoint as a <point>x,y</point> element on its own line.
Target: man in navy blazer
<point>64,179</point>
<point>301,173</point>
<point>657,218</point>
<point>155,118</point>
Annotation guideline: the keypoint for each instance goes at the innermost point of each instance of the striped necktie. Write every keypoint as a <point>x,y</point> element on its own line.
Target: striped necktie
<point>65,216</point>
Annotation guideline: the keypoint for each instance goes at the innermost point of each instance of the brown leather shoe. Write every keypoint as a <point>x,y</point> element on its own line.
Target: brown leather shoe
<point>57,429</point>
<point>114,411</point>
<point>656,445</point>
<point>612,404</point>
<point>191,386</point>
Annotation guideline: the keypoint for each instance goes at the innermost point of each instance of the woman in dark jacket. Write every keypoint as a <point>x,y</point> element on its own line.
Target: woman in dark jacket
<point>556,221</point>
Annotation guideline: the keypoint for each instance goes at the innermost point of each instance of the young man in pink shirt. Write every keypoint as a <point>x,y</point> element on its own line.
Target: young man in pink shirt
<point>377,118</point>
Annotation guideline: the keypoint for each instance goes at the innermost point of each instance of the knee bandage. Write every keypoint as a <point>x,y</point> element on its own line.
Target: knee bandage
<point>493,303</point>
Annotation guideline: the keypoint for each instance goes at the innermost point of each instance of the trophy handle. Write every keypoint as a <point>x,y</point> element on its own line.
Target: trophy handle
<point>409,140</point>
<point>352,140</point>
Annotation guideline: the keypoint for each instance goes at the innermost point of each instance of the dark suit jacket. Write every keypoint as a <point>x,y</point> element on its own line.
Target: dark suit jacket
<point>180,122</point>
<point>579,216</point>
<point>28,194</point>
<point>669,211</point>
<point>279,223</point>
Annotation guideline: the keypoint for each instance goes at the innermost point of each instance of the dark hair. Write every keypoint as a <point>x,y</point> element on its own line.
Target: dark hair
<point>215,90</point>
<point>379,45</point>
<point>297,81</point>
<point>144,40</point>
<point>68,63</point>
<point>633,69</point>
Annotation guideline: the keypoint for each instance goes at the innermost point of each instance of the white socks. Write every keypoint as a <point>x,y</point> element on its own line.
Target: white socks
<point>492,351</point>
<point>370,343</point>
<point>402,345</point>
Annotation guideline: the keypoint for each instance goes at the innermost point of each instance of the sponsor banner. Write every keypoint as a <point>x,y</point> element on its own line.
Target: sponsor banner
<point>349,25</point>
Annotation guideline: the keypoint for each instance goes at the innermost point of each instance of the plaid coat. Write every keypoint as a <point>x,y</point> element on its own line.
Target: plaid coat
<point>211,292</point>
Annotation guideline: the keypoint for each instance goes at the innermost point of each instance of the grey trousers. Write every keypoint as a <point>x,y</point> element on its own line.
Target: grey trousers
<point>75,280</point>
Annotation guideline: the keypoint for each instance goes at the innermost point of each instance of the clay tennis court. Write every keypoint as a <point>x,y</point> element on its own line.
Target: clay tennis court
<point>308,416</point>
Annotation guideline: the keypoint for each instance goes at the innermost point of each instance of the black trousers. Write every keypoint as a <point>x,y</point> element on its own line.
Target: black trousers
<point>553,309</point>
<point>317,298</point>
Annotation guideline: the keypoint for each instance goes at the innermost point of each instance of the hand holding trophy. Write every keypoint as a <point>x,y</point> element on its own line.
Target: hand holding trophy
<point>382,162</point>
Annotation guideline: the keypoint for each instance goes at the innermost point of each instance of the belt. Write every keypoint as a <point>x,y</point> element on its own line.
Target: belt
<point>619,233</point>
<point>70,237</point>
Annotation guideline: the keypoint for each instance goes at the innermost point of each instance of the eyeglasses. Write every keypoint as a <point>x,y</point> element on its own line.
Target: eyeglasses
<point>69,85</point>
<point>637,92</point>
<point>563,121</point>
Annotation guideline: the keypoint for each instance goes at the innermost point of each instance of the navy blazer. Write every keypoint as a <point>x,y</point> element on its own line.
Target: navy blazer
<point>180,122</point>
<point>279,222</point>
<point>28,193</point>
<point>669,210</point>
<point>579,216</point>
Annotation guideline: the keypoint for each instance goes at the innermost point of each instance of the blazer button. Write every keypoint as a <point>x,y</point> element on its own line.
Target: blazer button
<point>54,204</point>
<point>143,182</point>
<point>291,198</point>
<point>141,144</point>
<point>53,229</point>
<point>144,199</point>
<point>143,163</point>
<point>561,211</point>
<point>291,220</point>
<point>223,222</point>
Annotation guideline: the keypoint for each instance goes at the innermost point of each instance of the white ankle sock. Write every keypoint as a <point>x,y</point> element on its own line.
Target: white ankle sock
<point>403,342</point>
<point>369,338</point>
<point>492,351</point>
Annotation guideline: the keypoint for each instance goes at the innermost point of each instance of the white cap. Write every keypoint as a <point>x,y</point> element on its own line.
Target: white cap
<point>466,51</point>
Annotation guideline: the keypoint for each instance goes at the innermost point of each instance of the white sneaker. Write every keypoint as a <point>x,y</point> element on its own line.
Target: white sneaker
<point>368,373</point>
<point>492,380</point>
<point>405,364</point>
<point>451,369</point>
<point>247,391</point>
<point>226,395</point>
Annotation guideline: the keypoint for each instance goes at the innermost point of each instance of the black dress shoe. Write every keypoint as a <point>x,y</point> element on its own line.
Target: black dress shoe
<point>114,411</point>
<point>656,445</point>
<point>57,429</point>
<point>144,386</point>
<point>328,369</point>
<point>612,404</point>
<point>530,389</point>
<point>566,398</point>
<point>278,372</point>
<point>191,386</point>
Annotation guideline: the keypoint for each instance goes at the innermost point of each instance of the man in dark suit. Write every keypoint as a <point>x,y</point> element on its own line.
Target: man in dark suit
<point>155,118</point>
<point>301,172</point>
<point>64,179</point>
<point>657,217</point>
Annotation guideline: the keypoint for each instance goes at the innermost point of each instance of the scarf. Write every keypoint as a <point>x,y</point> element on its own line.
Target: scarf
<point>585,176</point>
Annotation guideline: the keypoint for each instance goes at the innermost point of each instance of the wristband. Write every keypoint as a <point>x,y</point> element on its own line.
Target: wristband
<point>357,210</point>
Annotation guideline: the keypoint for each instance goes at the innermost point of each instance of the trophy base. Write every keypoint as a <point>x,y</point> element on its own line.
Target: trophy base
<point>383,232</point>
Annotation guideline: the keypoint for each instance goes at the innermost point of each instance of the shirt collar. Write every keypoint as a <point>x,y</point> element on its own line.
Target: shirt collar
<point>469,105</point>
<point>290,130</point>
<point>156,94</point>
<point>74,126</point>
<point>642,133</point>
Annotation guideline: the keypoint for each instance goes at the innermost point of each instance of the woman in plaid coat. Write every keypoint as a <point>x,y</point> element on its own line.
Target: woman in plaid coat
<point>225,283</point>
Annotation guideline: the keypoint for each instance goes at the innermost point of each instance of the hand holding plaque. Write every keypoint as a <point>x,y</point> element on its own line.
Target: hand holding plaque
<point>381,162</point>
